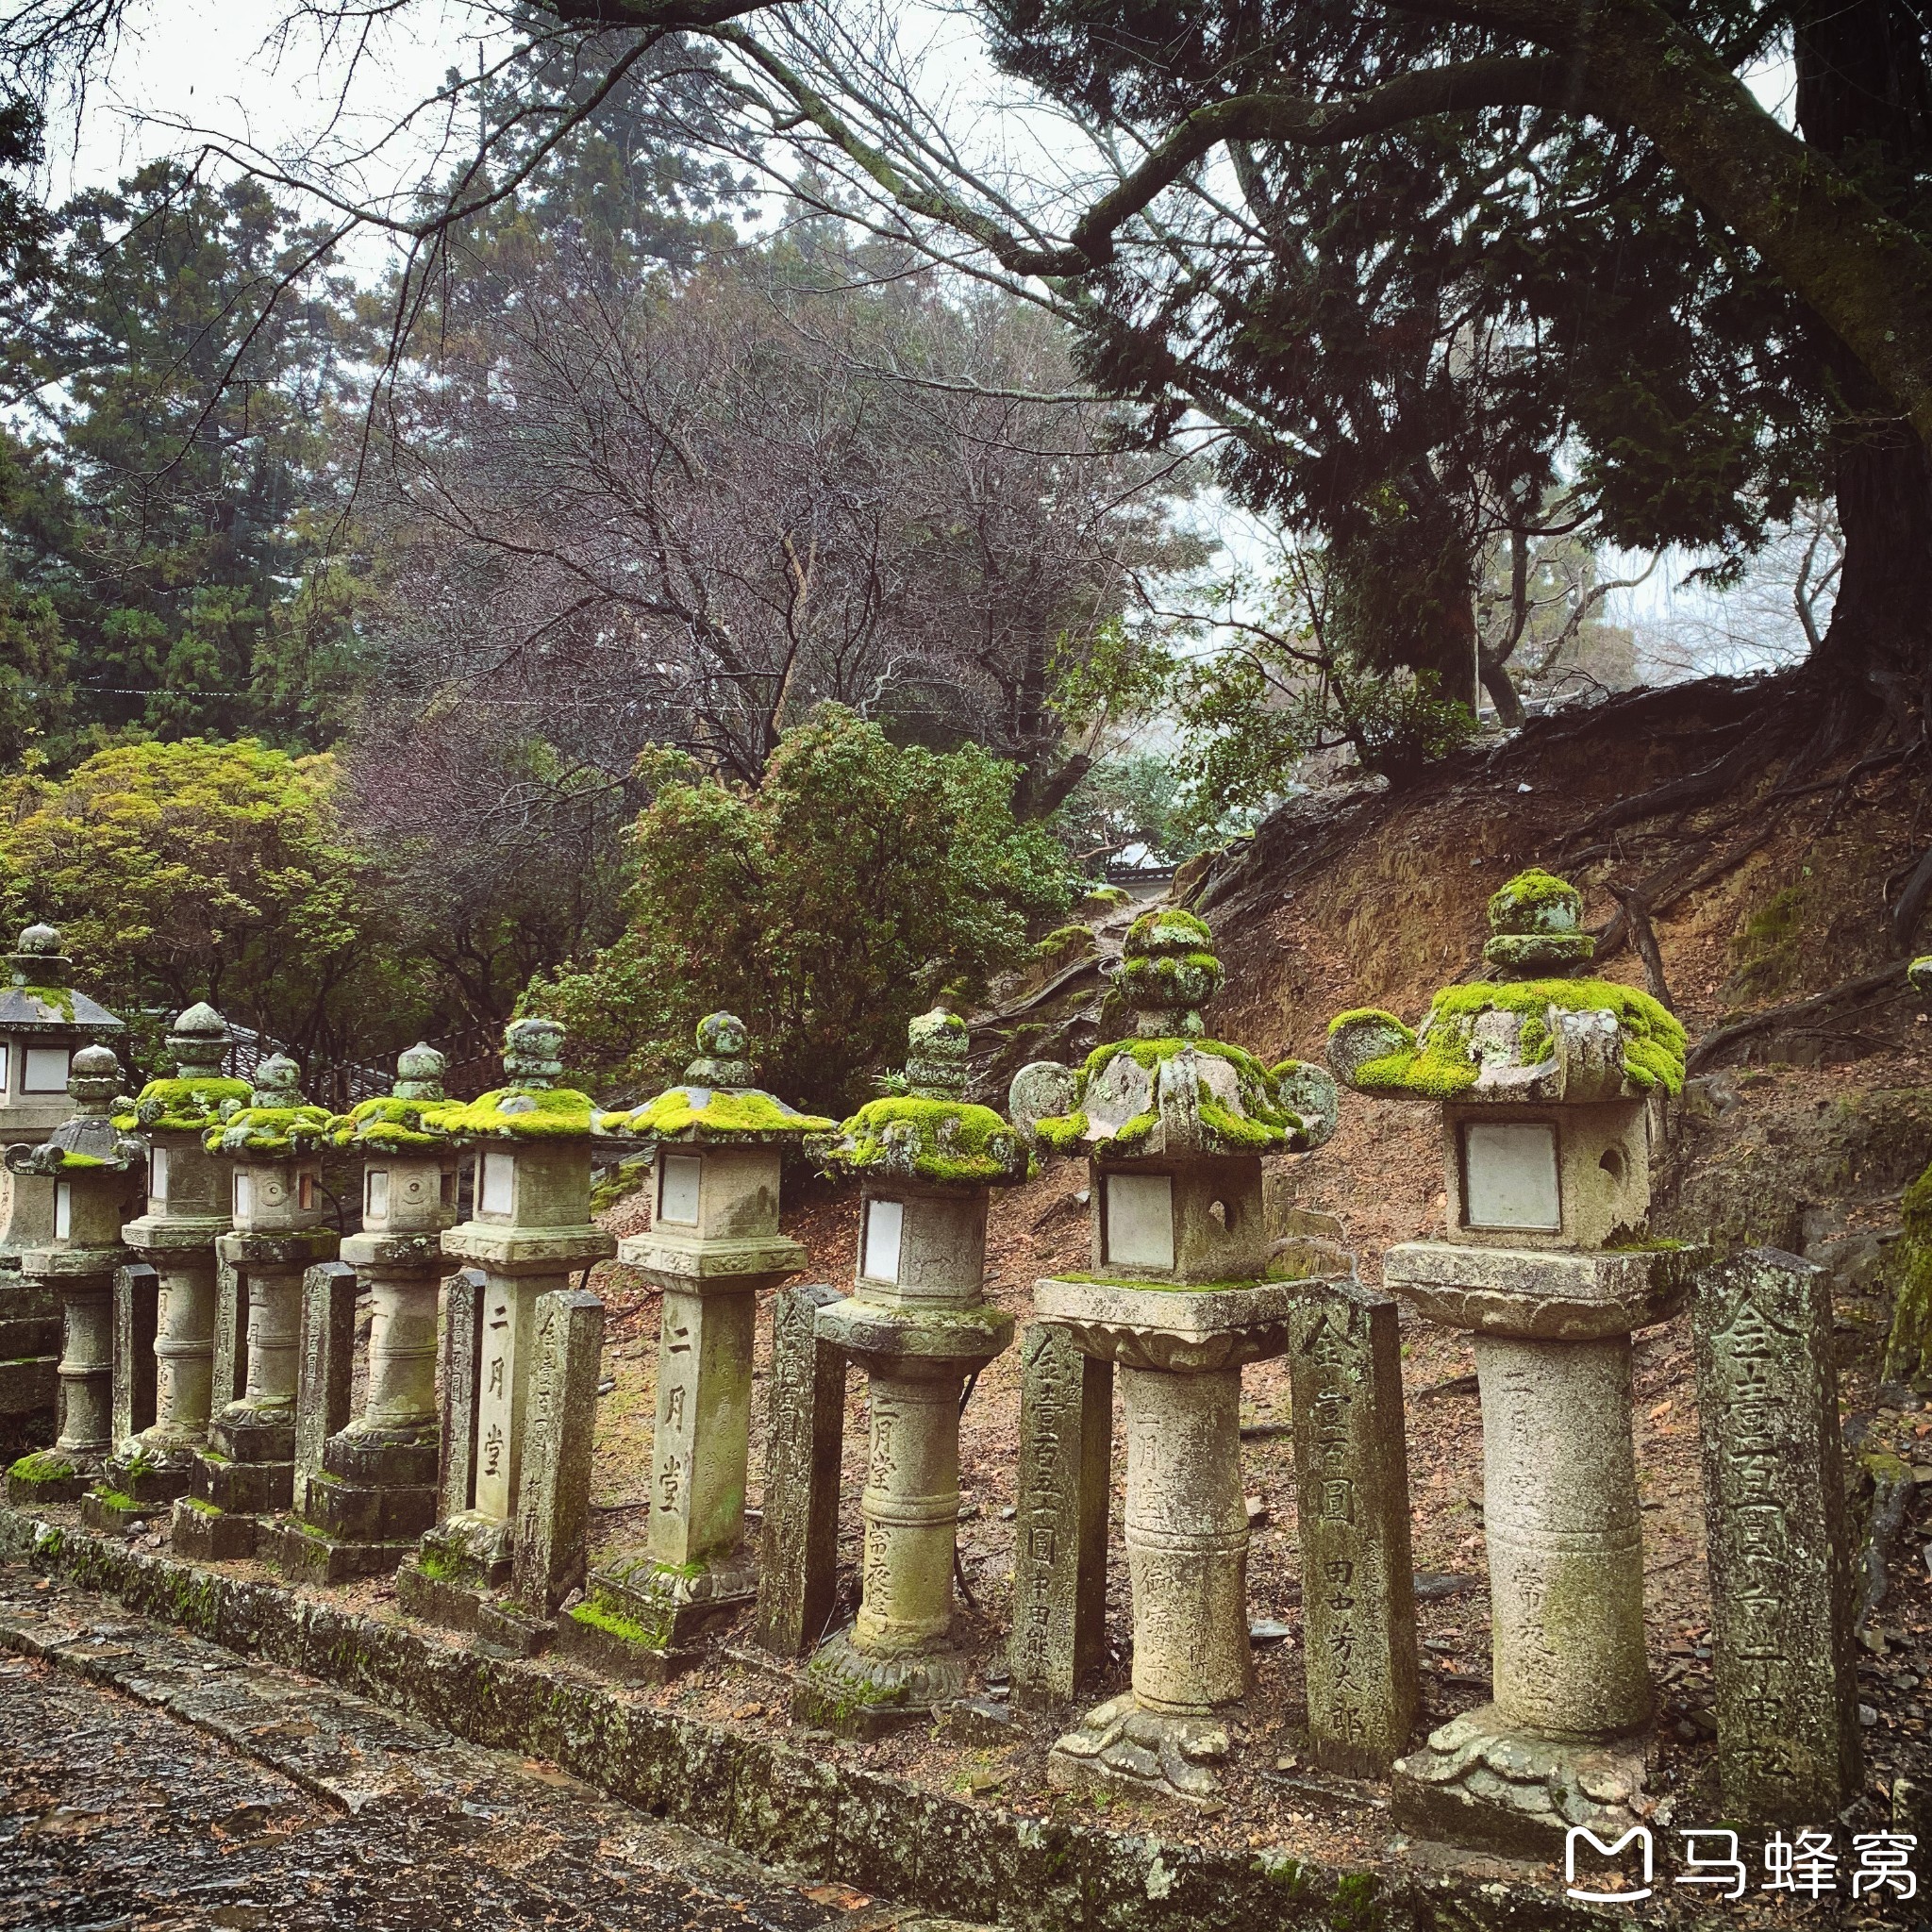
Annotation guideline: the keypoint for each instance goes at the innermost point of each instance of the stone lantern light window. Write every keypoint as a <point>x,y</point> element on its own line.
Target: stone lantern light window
<point>679,1188</point>
<point>244,1196</point>
<point>885,1227</point>
<point>496,1184</point>
<point>158,1178</point>
<point>1509,1174</point>
<point>1140,1220</point>
<point>63,1210</point>
<point>45,1070</point>
<point>5,1056</point>
<point>376,1195</point>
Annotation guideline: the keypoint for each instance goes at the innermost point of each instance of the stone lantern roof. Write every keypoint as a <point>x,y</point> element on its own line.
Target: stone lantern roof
<point>1534,1034</point>
<point>406,1119</point>
<point>930,1131</point>
<point>192,1100</point>
<point>717,1105</point>
<point>1920,976</point>
<point>531,1105</point>
<point>1168,1091</point>
<point>40,997</point>
<point>277,1123</point>
<point>88,1142</point>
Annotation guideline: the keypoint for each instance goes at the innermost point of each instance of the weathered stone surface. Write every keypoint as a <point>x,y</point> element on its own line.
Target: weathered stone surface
<point>462,1361</point>
<point>1352,1471</point>
<point>1059,1531</point>
<point>321,1391</point>
<point>553,1502</point>
<point>702,1433</point>
<point>1586,1169</point>
<point>1557,1295</point>
<point>230,1355</point>
<point>1780,1583</point>
<point>804,1445</point>
<point>1177,1329</point>
<point>203,1532</point>
<point>137,1303</point>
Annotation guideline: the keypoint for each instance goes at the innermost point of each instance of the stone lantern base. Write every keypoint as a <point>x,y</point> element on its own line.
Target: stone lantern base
<point>644,1621</point>
<point>1482,1781</point>
<point>374,1500</point>
<point>457,1575</point>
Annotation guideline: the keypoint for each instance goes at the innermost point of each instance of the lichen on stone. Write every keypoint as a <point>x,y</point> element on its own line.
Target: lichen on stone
<point>270,1131</point>
<point>182,1104</point>
<point>387,1125</point>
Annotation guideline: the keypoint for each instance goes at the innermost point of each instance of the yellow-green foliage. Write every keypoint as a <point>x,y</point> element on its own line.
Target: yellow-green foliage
<point>181,1106</point>
<point>729,1113</point>
<point>389,1126</point>
<point>1909,1348</point>
<point>270,1130</point>
<point>948,1141</point>
<point>551,1113</point>
<point>1061,1133</point>
<point>1444,1066</point>
<point>43,1466</point>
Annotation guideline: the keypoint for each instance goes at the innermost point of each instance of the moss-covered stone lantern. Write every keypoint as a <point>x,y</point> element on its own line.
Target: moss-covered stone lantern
<point>716,1143</point>
<point>377,1492</point>
<point>919,1324</point>
<point>43,1019</point>
<point>1545,1082</point>
<point>95,1170</point>
<point>186,1211</point>
<point>529,1231</point>
<point>1175,1126</point>
<point>283,1224</point>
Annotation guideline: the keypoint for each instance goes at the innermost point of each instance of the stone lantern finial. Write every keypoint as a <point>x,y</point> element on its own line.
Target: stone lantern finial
<point>1167,973</point>
<point>93,1080</point>
<point>419,1073</point>
<point>278,1083</point>
<point>199,1040</point>
<point>937,1046</point>
<point>721,1061</point>
<point>37,958</point>
<point>533,1051</point>
<point>1536,928</point>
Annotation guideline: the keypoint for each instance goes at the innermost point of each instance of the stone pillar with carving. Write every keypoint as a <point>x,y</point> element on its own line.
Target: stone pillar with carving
<point>44,1020</point>
<point>919,1324</point>
<point>184,1215</point>
<point>1175,1126</point>
<point>716,1144</point>
<point>529,1232</point>
<point>283,1224</point>
<point>1546,1084</point>
<point>95,1170</point>
<point>376,1489</point>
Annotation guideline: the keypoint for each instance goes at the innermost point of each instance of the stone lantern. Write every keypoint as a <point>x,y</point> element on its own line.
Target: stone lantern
<point>271,1148</point>
<point>529,1231</point>
<point>187,1213</point>
<point>43,1019</point>
<point>1545,1082</point>
<point>1175,1126</point>
<point>919,1324</point>
<point>376,1490</point>
<point>716,1144</point>
<point>94,1170</point>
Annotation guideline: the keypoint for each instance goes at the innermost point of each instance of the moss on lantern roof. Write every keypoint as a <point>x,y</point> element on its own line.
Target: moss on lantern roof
<point>1263,1125</point>
<point>1445,1063</point>
<point>187,1103</point>
<point>391,1125</point>
<point>1520,903</point>
<point>520,1113</point>
<point>270,1130</point>
<point>924,1140</point>
<point>707,1113</point>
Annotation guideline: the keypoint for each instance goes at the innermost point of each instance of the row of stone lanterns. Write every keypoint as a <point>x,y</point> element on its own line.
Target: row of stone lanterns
<point>1545,1082</point>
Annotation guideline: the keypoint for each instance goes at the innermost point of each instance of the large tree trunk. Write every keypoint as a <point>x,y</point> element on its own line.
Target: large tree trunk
<point>1864,96</point>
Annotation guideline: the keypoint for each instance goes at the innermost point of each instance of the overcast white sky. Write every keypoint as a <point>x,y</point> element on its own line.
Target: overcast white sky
<point>217,65</point>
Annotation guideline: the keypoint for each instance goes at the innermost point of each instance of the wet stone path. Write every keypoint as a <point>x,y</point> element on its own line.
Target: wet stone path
<point>151,1782</point>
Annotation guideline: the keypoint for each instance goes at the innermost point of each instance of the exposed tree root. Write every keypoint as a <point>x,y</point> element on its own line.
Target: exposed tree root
<point>1890,977</point>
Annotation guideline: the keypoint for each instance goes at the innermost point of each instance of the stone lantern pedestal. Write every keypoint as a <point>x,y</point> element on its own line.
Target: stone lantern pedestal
<point>186,1211</point>
<point>1175,1126</point>
<point>1546,1086</point>
<point>376,1489</point>
<point>94,1170</point>
<point>42,1022</point>
<point>529,1233</point>
<point>919,1326</point>
<point>714,1242</point>
<point>273,1148</point>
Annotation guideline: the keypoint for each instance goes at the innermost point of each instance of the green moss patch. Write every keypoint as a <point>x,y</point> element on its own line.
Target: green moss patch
<point>520,1113</point>
<point>43,1466</point>
<point>704,1114</point>
<point>270,1130</point>
<point>1446,1065</point>
<point>389,1126</point>
<point>57,999</point>
<point>181,1106</point>
<point>929,1139</point>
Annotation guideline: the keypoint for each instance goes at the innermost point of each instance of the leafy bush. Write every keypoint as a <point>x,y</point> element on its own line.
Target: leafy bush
<point>825,906</point>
